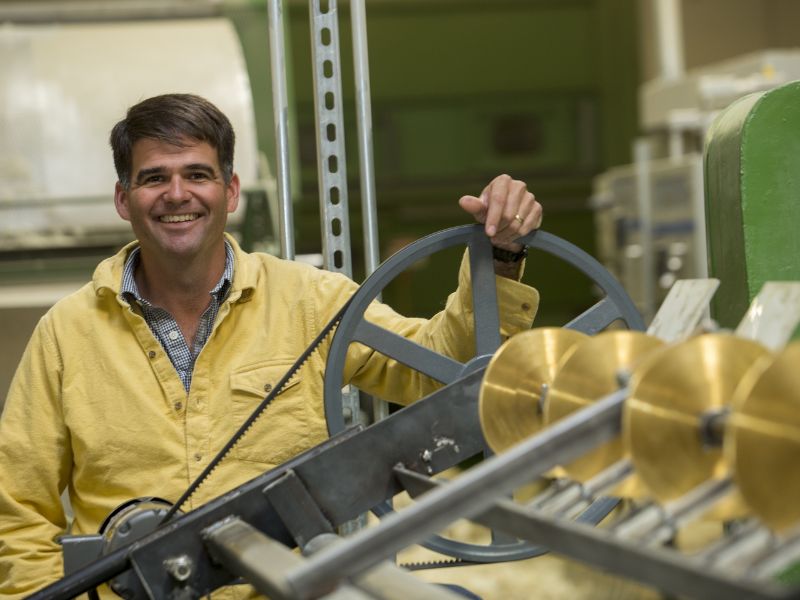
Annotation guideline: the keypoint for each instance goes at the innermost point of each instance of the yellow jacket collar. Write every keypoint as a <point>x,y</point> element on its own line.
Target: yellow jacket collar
<point>108,274</point>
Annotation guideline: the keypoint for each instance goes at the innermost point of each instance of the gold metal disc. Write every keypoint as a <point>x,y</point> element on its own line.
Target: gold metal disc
<point>587,375</point>
<point>663,416</point>
<point>762,443</point>
<point>510,401</point>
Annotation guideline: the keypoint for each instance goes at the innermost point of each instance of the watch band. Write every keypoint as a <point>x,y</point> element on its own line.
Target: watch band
<point>507,256</point>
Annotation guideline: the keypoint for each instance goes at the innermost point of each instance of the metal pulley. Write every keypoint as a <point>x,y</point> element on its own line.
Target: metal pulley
<point>517,381</point>
<point>674,398</point>
<point>762,441</point>
<point>129,522</point>
<point>595,369</point>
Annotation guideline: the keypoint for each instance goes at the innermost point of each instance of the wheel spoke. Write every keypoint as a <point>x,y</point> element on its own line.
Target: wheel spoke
<point>484,295</point>
<point>596,318</point>
<point>426,361</point>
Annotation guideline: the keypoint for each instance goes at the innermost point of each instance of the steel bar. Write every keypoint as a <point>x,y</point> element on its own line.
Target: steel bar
<point>416,485</point>
<point>644,196</point>
<point>280,107</point>
<point>83,11</point>
<point>555,504</point>
<point>687,508</point>
<point>786,554</point>
<point>603,548</point>
<point>739,531</point>
<point>260,560</point>
<point>358,19</point>
<point>596,486</point>
<point>369,203</point>
<point>661,568</point>
<point>669,37</point>
<point>467,496</point>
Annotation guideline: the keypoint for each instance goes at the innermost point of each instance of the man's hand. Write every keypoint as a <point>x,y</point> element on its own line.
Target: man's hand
<point>507,209</point>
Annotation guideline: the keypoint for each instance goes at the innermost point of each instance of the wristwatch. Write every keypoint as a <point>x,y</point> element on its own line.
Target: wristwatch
<point>507,256</point>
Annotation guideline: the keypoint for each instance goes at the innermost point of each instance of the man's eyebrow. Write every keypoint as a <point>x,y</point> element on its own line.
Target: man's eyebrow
<point>201,167</point>
<point>206,168</point>
<point>144,173</point>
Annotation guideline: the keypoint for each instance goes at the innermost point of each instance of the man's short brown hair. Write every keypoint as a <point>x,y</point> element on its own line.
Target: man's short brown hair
<point>172,118</point>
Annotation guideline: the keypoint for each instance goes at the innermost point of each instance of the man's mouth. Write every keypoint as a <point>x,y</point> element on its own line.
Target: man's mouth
<point>178,218</point>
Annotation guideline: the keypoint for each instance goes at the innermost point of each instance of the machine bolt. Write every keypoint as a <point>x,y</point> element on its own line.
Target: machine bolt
<point>179,567</point>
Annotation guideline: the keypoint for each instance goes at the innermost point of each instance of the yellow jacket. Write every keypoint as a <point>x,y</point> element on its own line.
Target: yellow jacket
<point>96,405</point>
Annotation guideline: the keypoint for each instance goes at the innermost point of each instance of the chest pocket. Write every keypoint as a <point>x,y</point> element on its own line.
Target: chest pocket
<point>284,429</point>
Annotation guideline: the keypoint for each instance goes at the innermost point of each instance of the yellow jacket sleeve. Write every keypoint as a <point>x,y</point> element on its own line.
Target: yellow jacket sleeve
<point>450,332</point>
<point>35,458</point>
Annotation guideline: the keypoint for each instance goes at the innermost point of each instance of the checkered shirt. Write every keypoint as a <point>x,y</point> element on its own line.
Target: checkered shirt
<point>164,326</point>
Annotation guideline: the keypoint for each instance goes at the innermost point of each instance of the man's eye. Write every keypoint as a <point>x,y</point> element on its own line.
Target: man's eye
<point>152,179</point>
<point>199,176</point>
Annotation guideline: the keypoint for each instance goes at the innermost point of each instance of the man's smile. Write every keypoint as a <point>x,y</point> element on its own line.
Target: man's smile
<point>178,218</point>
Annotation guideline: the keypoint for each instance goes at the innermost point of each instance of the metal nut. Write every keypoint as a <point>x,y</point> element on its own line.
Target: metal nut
<point>179,567</point>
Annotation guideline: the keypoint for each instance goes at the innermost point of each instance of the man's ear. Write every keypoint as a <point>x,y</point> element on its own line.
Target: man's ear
<point>121,201</point>
<point>232,193</point>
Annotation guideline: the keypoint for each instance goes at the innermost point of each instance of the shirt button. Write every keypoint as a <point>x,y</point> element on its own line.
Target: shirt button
<point>526,307</point>
<point>268,387</point>
<point>198,457</point>
<point>173,335</point>
<point>178,405</point>
<point>152,354</point>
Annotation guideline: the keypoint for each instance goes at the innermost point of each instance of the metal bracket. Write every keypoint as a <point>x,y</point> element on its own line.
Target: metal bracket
<point>297,509</point>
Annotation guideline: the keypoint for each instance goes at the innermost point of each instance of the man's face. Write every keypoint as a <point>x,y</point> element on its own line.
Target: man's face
<point>178,202</point>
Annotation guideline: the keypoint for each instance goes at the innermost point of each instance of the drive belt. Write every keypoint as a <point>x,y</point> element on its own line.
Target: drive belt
<point>257,412</point>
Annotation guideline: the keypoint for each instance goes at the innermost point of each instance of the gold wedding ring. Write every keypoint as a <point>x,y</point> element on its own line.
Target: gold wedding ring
<point>518,218</point>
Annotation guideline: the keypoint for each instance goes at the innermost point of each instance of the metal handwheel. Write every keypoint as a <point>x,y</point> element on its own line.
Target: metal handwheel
<point>615,305</point>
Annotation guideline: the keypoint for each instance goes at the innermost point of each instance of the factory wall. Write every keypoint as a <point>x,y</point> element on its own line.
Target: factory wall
<point>462,91</point>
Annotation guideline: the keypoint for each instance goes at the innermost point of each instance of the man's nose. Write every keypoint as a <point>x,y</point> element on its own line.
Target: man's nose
<point>177,190</point>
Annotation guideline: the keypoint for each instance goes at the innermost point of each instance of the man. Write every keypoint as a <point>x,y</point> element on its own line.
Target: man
<point>132,384</point>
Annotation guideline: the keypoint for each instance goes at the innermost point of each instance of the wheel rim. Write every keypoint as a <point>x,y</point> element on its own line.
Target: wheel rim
<point>615,305</point>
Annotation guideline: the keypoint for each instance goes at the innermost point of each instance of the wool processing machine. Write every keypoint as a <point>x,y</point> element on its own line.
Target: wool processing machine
<point>663,425</point>
<point>633,433</point>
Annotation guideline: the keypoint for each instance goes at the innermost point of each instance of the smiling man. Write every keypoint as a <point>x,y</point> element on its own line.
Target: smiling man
<point>131,385</point>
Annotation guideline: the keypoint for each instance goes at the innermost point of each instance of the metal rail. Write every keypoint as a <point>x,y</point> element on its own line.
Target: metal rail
<point>280,107</point>
<point>331,158</point>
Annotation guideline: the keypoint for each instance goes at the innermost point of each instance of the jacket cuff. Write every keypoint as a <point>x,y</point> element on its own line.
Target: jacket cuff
<point>517,302</point>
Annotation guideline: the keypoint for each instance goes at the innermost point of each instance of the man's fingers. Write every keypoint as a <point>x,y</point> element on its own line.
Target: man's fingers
<point>496,194</point>
<point>520,219</point>
<point>473,206</point>
<point>506,208</point>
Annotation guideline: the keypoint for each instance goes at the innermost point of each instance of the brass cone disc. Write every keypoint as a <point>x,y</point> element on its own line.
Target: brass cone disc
<point>762,442</point>
<point>587,375</point>
<point>511,392</point>
<point>662,422</point>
